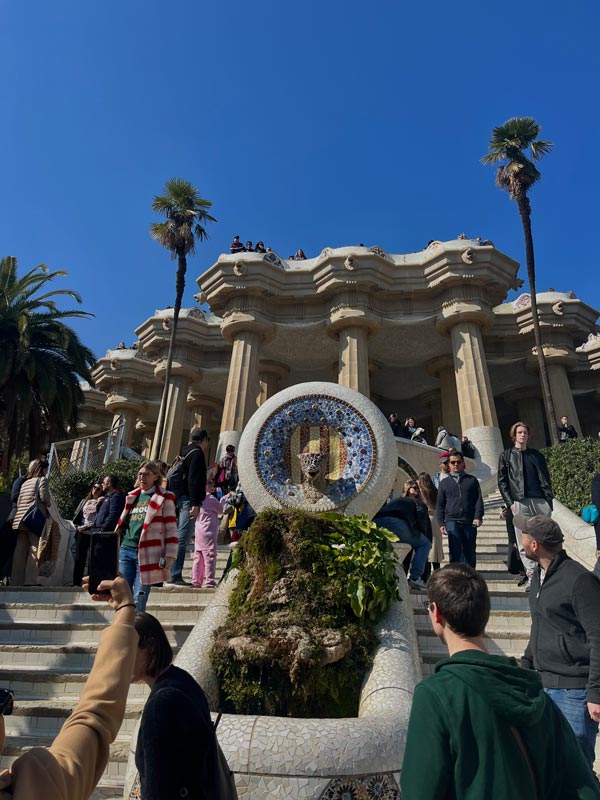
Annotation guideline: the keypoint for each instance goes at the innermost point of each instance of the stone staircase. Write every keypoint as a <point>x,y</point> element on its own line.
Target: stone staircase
<point>48,640</point>
<point>508,628</point>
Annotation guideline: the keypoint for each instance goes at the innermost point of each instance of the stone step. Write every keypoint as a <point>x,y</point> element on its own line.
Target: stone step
<point>69,596</point>
<point>37,682</point>
<point>498,640</point>
<point>66,657</point>
<point>44,718</point>
<point>53,632</point>
<point>115,770</point>
<point>516,620</point>
<point>95,612</point>
<point>500,599</point>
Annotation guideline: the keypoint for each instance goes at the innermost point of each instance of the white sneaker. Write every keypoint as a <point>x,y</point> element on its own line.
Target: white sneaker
<point>417,584</point>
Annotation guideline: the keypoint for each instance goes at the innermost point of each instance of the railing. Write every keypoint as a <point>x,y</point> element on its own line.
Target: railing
<point>88,452</point>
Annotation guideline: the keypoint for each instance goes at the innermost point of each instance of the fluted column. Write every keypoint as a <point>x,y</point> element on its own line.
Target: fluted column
<point>354,359</point>
<point>270,374</point>
<point>203,410</point>
<point>129,419</point>
<point>531,411</point>
<point>564,405</point>
<point>147,428</point>
<point>475,400</point>
<point>175,417</point>
<point>446,411</point>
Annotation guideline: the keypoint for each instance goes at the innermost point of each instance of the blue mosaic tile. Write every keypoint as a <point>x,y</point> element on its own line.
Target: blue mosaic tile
<point>315,424</point>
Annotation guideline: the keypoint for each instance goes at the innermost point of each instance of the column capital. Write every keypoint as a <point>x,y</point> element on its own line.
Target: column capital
<point>343,317</point>
<point>197,400</point>
<point>436,365</point>
<point>274,368</point>
<point>237,322</point>
<point>557,355</point>
<point>116,403</point>
<point>456,311</point>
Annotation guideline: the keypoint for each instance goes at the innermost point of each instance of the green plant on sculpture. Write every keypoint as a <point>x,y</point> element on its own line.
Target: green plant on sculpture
<point>363,557</point>
<point>299,636</point>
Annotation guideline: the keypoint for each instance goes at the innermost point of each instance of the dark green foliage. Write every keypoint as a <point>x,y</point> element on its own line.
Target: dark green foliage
<point>42,360</point>
<point>572,466</point>
<point>69,490</point>
<point>299,639</point>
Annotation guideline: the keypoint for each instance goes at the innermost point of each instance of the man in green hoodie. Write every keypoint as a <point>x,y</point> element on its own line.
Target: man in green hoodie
<point>481,726</point>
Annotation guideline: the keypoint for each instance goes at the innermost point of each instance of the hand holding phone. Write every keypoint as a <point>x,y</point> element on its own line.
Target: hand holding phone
<point>104,560</point>
<point>116,593</point>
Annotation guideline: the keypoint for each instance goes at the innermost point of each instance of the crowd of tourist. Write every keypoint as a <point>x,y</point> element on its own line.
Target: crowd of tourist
<point>237,246</point>
<point>492,726</point>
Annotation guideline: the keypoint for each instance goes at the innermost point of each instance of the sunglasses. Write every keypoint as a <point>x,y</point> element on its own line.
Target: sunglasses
<point>455,462</point>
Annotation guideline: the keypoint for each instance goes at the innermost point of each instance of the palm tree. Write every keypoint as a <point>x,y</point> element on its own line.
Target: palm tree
<point>186,214</point>
<point>42,359</point>
<point>517,174</point>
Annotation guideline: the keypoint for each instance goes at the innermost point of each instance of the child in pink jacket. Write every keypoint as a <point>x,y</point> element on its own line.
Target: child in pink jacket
<point>205,547</point>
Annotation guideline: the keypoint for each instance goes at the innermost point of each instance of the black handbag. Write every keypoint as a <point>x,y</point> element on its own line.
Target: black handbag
<point>35,519</point>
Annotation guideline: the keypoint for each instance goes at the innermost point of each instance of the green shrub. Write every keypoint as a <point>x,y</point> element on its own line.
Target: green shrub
<point>572,466</point>
<point>69,490</point>
<point>299,636</point>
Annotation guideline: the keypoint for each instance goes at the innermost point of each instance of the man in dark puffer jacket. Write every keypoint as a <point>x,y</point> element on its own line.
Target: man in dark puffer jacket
<point>564,645</point>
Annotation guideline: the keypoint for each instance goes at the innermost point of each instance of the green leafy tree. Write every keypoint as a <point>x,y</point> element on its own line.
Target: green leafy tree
<point>186,215</point>
<point>510,146</point>
<point>42,359</point>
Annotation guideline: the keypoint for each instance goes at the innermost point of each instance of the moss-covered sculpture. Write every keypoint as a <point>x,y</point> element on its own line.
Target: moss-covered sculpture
<point>299,638</point>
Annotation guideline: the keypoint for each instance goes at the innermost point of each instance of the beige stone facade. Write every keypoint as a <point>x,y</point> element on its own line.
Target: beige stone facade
<point>428,335</point>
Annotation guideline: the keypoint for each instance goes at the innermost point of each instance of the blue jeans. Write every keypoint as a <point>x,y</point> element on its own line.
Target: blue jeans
<point>420,545</point>
<point>128,567</point>
<point>185,528</point>
<point>461,542</point>
<point>573,704</point>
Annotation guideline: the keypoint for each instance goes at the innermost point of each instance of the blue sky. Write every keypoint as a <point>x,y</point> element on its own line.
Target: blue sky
<point>308,125</point>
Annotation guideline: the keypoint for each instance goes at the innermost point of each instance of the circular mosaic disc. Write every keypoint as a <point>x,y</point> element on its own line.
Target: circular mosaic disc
<point>319,447</point>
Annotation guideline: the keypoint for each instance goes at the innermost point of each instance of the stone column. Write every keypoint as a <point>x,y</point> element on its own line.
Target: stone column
<point>203,416</point>
<point>270,375</point>
<point>147,429</point>
<point>564,405</point>
<point>129,417</point>
<point>475,400</point>
<point>443,368</point>
<point>242,388</point>
<point>175,417</point>
<point>531,411</point>
<point>354,359</point>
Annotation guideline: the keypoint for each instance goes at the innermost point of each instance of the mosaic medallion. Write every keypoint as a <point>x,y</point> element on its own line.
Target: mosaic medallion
<point>318,446</point>
<point>315,452</point>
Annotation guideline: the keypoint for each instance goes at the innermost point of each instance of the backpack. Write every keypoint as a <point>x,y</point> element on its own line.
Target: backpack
<point>590,514</point>
<point>177,476</point>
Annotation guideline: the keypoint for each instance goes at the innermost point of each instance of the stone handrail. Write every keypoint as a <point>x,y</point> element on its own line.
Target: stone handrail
<point>580,537</point>
<point>274,757</point>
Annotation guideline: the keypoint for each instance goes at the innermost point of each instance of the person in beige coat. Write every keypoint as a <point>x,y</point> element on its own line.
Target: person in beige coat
<point>34,490</point>
<point>71,767</point>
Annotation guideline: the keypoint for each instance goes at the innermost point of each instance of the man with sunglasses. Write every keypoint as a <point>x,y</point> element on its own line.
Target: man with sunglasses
<point>480,726</point>
<point>459,510</point>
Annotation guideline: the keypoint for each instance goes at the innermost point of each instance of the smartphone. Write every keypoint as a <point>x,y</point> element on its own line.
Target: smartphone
<point>104,560</point>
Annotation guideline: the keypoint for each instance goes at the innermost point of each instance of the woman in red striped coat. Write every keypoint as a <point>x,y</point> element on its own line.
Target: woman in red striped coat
<point>148,529</point>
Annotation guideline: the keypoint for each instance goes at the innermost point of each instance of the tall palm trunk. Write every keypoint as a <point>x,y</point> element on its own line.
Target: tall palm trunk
<point>525,212</point>
<point>162,414</point>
